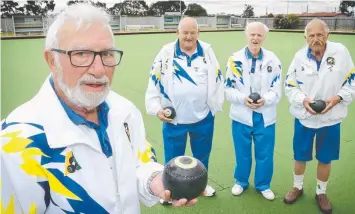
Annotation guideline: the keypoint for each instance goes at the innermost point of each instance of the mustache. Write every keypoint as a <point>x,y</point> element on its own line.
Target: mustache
<point>89,79</point>
<point>317,42</point>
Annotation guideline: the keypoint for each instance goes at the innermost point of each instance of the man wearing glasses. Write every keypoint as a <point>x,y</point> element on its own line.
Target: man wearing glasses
<point>185,75</point>
<point>77,146</point>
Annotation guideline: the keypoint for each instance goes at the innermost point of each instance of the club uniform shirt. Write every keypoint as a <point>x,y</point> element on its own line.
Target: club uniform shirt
<point>190,85</point>
<point>255,72</point>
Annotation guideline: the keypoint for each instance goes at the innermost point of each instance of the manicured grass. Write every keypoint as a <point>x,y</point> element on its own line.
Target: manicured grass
<point>24,70</point>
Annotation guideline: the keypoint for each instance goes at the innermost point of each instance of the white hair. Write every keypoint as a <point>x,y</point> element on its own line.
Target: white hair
<point>323,23</point>
<point>192,18</point>
<point>80,14</point>
<point>254,24</point>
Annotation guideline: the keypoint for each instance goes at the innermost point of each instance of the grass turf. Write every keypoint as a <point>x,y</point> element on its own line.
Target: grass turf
<point>24,70</point>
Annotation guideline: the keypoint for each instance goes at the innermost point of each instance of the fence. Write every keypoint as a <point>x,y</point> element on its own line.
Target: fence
<point>120,23</point>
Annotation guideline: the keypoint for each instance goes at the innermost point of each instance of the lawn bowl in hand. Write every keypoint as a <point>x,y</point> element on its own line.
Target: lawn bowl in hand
<point>185,177</point>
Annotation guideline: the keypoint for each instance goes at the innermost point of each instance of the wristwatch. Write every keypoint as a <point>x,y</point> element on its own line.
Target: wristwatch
<point>151,178</point>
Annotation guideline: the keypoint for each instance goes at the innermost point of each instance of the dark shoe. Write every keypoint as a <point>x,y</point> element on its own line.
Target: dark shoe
<point>292,196</point>
<point>165,203</point>
<point>324,204</point>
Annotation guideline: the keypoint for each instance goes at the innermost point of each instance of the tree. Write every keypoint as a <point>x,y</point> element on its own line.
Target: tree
<point>277,21</point>
<point>248,11</point>
<point>10,8</point>
<point>38,8</point>
<point>344,7</point>
<point>77,1</point>
<point>129,8</point>
<point>99,4</point>
<point>195,10</point>
<point>270,15</point>
<point>160,7</point>
<point>115,10</point>
<point>293,21</point>
<point>290,21</point>
<point>47,6</point>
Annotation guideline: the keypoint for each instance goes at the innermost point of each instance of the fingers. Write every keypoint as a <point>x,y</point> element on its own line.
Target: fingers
<point>165,195</point>
<point>310,110</point>
<point>162,117</point>
<point>184,202</point>
<point>191,202</point>
<point>328,107</point>
<point>167,120</point>
<point>179,203</point>
<point>249,100</point>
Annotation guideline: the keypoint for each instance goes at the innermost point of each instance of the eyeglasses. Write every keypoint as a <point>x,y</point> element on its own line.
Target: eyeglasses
<point>85,58</point>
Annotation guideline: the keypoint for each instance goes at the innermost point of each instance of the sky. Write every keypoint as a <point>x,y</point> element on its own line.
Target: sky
<point>261,7</point>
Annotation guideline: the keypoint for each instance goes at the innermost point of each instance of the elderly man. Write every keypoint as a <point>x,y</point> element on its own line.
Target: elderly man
<point>253,69</point>
<point>319,71</point>
<point>77,146</point>
<point>186,76</point>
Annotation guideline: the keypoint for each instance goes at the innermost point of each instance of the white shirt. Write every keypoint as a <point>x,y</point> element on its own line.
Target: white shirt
<point>255,72</point>
<point>239,82</point>
<point>190,84</point>
<point>335,76</point>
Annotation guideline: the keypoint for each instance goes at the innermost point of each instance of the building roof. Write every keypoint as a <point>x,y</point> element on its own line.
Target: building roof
<point>321,14</point>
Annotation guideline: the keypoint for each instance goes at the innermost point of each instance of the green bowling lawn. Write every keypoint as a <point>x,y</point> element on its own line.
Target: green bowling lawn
<point>23,71</point>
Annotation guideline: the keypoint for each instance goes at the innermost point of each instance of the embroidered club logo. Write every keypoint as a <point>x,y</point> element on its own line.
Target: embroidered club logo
<point>127,131</point>
<point>269,69</point>
<point>71,164</point>
<point>330,61</point>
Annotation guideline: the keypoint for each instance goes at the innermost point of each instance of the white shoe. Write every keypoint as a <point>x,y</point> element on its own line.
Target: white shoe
<point>237,189</point>
<point>162,202</point>
<point>210,191</point>
<point>268,194</point>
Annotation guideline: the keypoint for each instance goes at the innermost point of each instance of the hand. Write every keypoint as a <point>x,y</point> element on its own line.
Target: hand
<point>261,102</point>
<point>249,102</point>
<point>157,188</point>
<point>331,103</point>
<point>161,116</point>
<point>306,103</point>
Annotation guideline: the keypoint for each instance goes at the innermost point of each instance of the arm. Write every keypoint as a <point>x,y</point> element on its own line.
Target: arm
<point>219,81</point>
<point>146,160</point>
<point>155,88</point>
<point>20,190</point>
<point>233,74</point>
<point>274,94</point>
<point>292,90</point>
<point>347,91</point>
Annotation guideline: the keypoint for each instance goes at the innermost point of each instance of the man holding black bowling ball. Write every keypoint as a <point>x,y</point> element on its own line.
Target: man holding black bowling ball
<point>186,78</point>
<point>253,86</point>
<point>77,146</point>
<point>321,73</point>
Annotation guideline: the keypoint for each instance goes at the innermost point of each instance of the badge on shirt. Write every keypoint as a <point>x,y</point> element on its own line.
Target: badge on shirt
<point>166,64</point>
<point>196,69</point>
<point>204,60</point>
<point>330,61</point>
<point>127,131</point>
<point>71,165</point>
<point>269,69</point>
<point>302,68</point>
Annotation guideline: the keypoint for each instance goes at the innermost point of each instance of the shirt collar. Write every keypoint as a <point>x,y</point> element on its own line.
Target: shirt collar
<point>179,52</point>
<point>250,56</point>
<point>77,119</point>
<point>310,55</point>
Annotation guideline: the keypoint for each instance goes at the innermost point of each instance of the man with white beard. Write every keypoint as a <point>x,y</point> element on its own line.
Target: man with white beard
<point>77,146</point>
